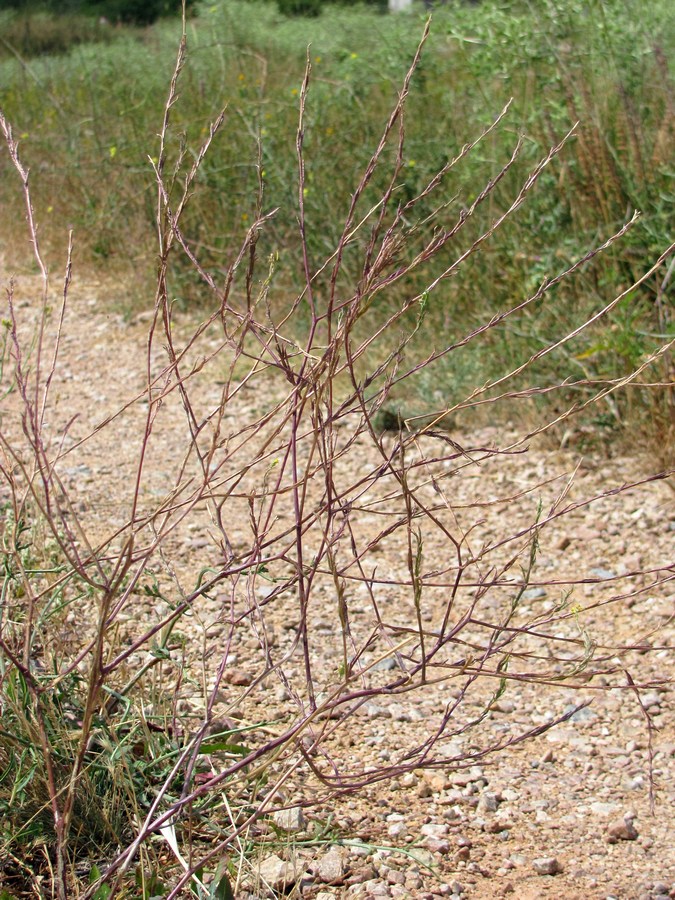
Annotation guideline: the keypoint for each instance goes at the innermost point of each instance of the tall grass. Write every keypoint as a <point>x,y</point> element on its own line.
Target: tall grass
<point>601,64</point>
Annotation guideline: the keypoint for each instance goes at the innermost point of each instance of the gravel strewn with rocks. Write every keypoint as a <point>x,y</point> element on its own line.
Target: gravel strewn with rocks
<point>566,814</point>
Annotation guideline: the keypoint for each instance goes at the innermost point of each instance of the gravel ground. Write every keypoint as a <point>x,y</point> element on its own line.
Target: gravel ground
<point>583,810</point>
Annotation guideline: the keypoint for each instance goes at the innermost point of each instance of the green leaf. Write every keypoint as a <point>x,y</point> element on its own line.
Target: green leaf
<point>103,891</point>
<point>224,747</point>
<point>220,888</point>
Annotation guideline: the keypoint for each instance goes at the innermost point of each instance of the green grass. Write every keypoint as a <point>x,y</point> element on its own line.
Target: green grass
<point>89,121</point>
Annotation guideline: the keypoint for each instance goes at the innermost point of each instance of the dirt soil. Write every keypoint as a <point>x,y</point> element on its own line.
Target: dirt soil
<point>566,814</point>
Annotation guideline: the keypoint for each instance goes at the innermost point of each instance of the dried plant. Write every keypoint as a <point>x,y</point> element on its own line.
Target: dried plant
<point>320,492</point>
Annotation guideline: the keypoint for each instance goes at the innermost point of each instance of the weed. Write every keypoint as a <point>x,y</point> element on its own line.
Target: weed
<point>116,658</point>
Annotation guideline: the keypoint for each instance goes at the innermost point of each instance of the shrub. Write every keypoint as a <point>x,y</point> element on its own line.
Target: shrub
<point>91,685</point>
<point>41,33</point>
<point>300,7</point>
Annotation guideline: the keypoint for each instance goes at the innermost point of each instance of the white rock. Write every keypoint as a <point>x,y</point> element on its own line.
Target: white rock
<point>604,809</point>
<point>435,831</point>
<point>277,872</point>
<point>290,819</point>
<point>546,865</point>
<point>487,802</point>
<point>331,866</point>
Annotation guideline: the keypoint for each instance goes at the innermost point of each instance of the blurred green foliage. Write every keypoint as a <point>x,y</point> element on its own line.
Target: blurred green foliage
<point>88,123</point>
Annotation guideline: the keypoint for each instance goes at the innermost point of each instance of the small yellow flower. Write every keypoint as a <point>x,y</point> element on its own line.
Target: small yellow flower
<point>294,92</point>
<point>354,56</point>
<point>113,152</point>
<point>329,131</point>
<point>412,163</point>
<point>241,76</point>
<point>317,59</point>
<point>576,609</point>
<point>244,217</point>
<point>305,192</point>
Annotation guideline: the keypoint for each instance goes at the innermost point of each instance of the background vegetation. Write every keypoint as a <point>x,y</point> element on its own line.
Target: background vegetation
<point>87,121</point>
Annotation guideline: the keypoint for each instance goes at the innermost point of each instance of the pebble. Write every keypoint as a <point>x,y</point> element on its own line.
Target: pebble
<point>621,830</point>
<point>599,808</point>
<point>546,865</point>
<point>331,866</point>
<point>487,802</point>
<point>581,715</point>
<point>238,677</point>
<point>434,831</point>
<point>652,698</point>
<point>290,819</point>
<point>278,872</point>
<point>393,876</point>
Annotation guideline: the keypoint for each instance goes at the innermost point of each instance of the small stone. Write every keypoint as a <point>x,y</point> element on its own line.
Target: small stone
<point>394,876</point>
<point>436,781</point>
<point>290,819</point>
<point>435,831</point>
<point>546,865</point>
<point>599,808</point>
<point>238,677</point>
<point>487,802</point>
<point>423,857</point>
<point>536,593</point>
<point>586,714</point>
<point>602,574</point>
<point>453,814</point>
<point>504,705</point>
<point>331,867</point>
<point>385,665</point>
<point>496,826</point>
<point>277,872</point>
<point>437,845</point>
<point>399,712</point>
<point>652,698</point>
<point>377,888</point>
<point>621,830</point>
<point>368,873</point>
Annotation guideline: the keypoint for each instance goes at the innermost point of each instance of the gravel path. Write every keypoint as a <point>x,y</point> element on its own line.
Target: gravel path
<point>566,814</point>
